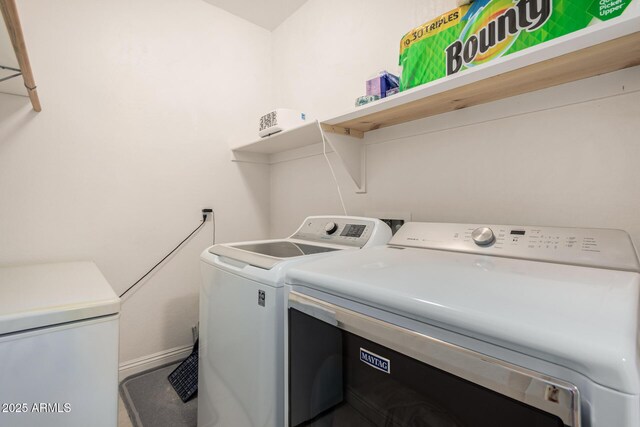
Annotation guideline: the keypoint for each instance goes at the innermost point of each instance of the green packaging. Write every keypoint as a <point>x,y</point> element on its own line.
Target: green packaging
<point>488,29</point>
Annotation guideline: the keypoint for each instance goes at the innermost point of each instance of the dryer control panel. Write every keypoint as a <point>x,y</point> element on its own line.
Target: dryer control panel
<point>592,247</point>
<point>342,230</point>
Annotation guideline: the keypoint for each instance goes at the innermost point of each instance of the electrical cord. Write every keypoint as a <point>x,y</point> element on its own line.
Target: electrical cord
<point>324,151</point>
<point>204,220</point>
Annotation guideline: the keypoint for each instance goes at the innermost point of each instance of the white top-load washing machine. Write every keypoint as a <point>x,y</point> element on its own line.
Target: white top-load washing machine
<point>58,346</point>
<point>241,362</point>
<point>465,325</point>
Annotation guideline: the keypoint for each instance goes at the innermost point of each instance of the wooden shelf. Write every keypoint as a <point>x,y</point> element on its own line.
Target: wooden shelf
<point>599,49</point>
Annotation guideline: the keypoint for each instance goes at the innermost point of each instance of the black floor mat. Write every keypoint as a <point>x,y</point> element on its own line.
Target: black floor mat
<point>152,402</point>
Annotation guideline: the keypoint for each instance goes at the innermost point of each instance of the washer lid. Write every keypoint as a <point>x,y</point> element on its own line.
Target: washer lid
<point>283,248</point>
<point>269,253</point>
<point>35,296</point>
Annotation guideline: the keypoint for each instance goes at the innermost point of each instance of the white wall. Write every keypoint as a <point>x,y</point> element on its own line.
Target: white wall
<point>140,101</point>
<point>564,156</point>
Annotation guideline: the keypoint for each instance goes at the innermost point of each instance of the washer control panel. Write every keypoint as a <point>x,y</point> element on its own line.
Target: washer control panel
<point>603,248</point>
<point>349,231</point>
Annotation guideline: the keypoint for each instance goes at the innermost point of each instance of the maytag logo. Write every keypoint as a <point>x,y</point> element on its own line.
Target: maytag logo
<point>375,361</point>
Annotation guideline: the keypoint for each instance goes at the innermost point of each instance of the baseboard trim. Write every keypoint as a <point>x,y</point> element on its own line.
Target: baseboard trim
<point>151,361</point>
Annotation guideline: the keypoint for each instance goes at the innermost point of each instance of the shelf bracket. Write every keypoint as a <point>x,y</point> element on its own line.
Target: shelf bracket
<point>351,152</point>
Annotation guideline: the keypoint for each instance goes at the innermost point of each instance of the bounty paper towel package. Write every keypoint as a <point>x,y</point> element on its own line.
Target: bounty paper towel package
<point>474,34</point>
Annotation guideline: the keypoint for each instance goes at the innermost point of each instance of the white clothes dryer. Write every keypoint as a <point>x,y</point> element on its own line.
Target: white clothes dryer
<point>467,325</point>
<point>241,361</point>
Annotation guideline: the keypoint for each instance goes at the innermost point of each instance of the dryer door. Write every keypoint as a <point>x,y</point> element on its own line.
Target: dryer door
<point>348,369</point>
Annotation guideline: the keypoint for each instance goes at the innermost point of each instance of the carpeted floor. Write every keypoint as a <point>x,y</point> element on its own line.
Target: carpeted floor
<point>152,402</point>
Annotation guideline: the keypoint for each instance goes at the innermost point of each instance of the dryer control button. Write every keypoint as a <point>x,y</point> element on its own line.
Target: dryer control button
<point>483,236</point>
<point>331,227</point>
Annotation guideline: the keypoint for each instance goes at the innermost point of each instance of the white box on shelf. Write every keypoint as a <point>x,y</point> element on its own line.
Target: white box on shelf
<point>279,120</point>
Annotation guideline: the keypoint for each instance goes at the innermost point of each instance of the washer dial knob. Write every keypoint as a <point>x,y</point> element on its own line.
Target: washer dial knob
<point>331,227</point>
<point>483,236</point>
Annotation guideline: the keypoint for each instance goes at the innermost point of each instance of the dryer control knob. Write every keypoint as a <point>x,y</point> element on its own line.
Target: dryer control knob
<point>483,236</point>
<point>331,227</point>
